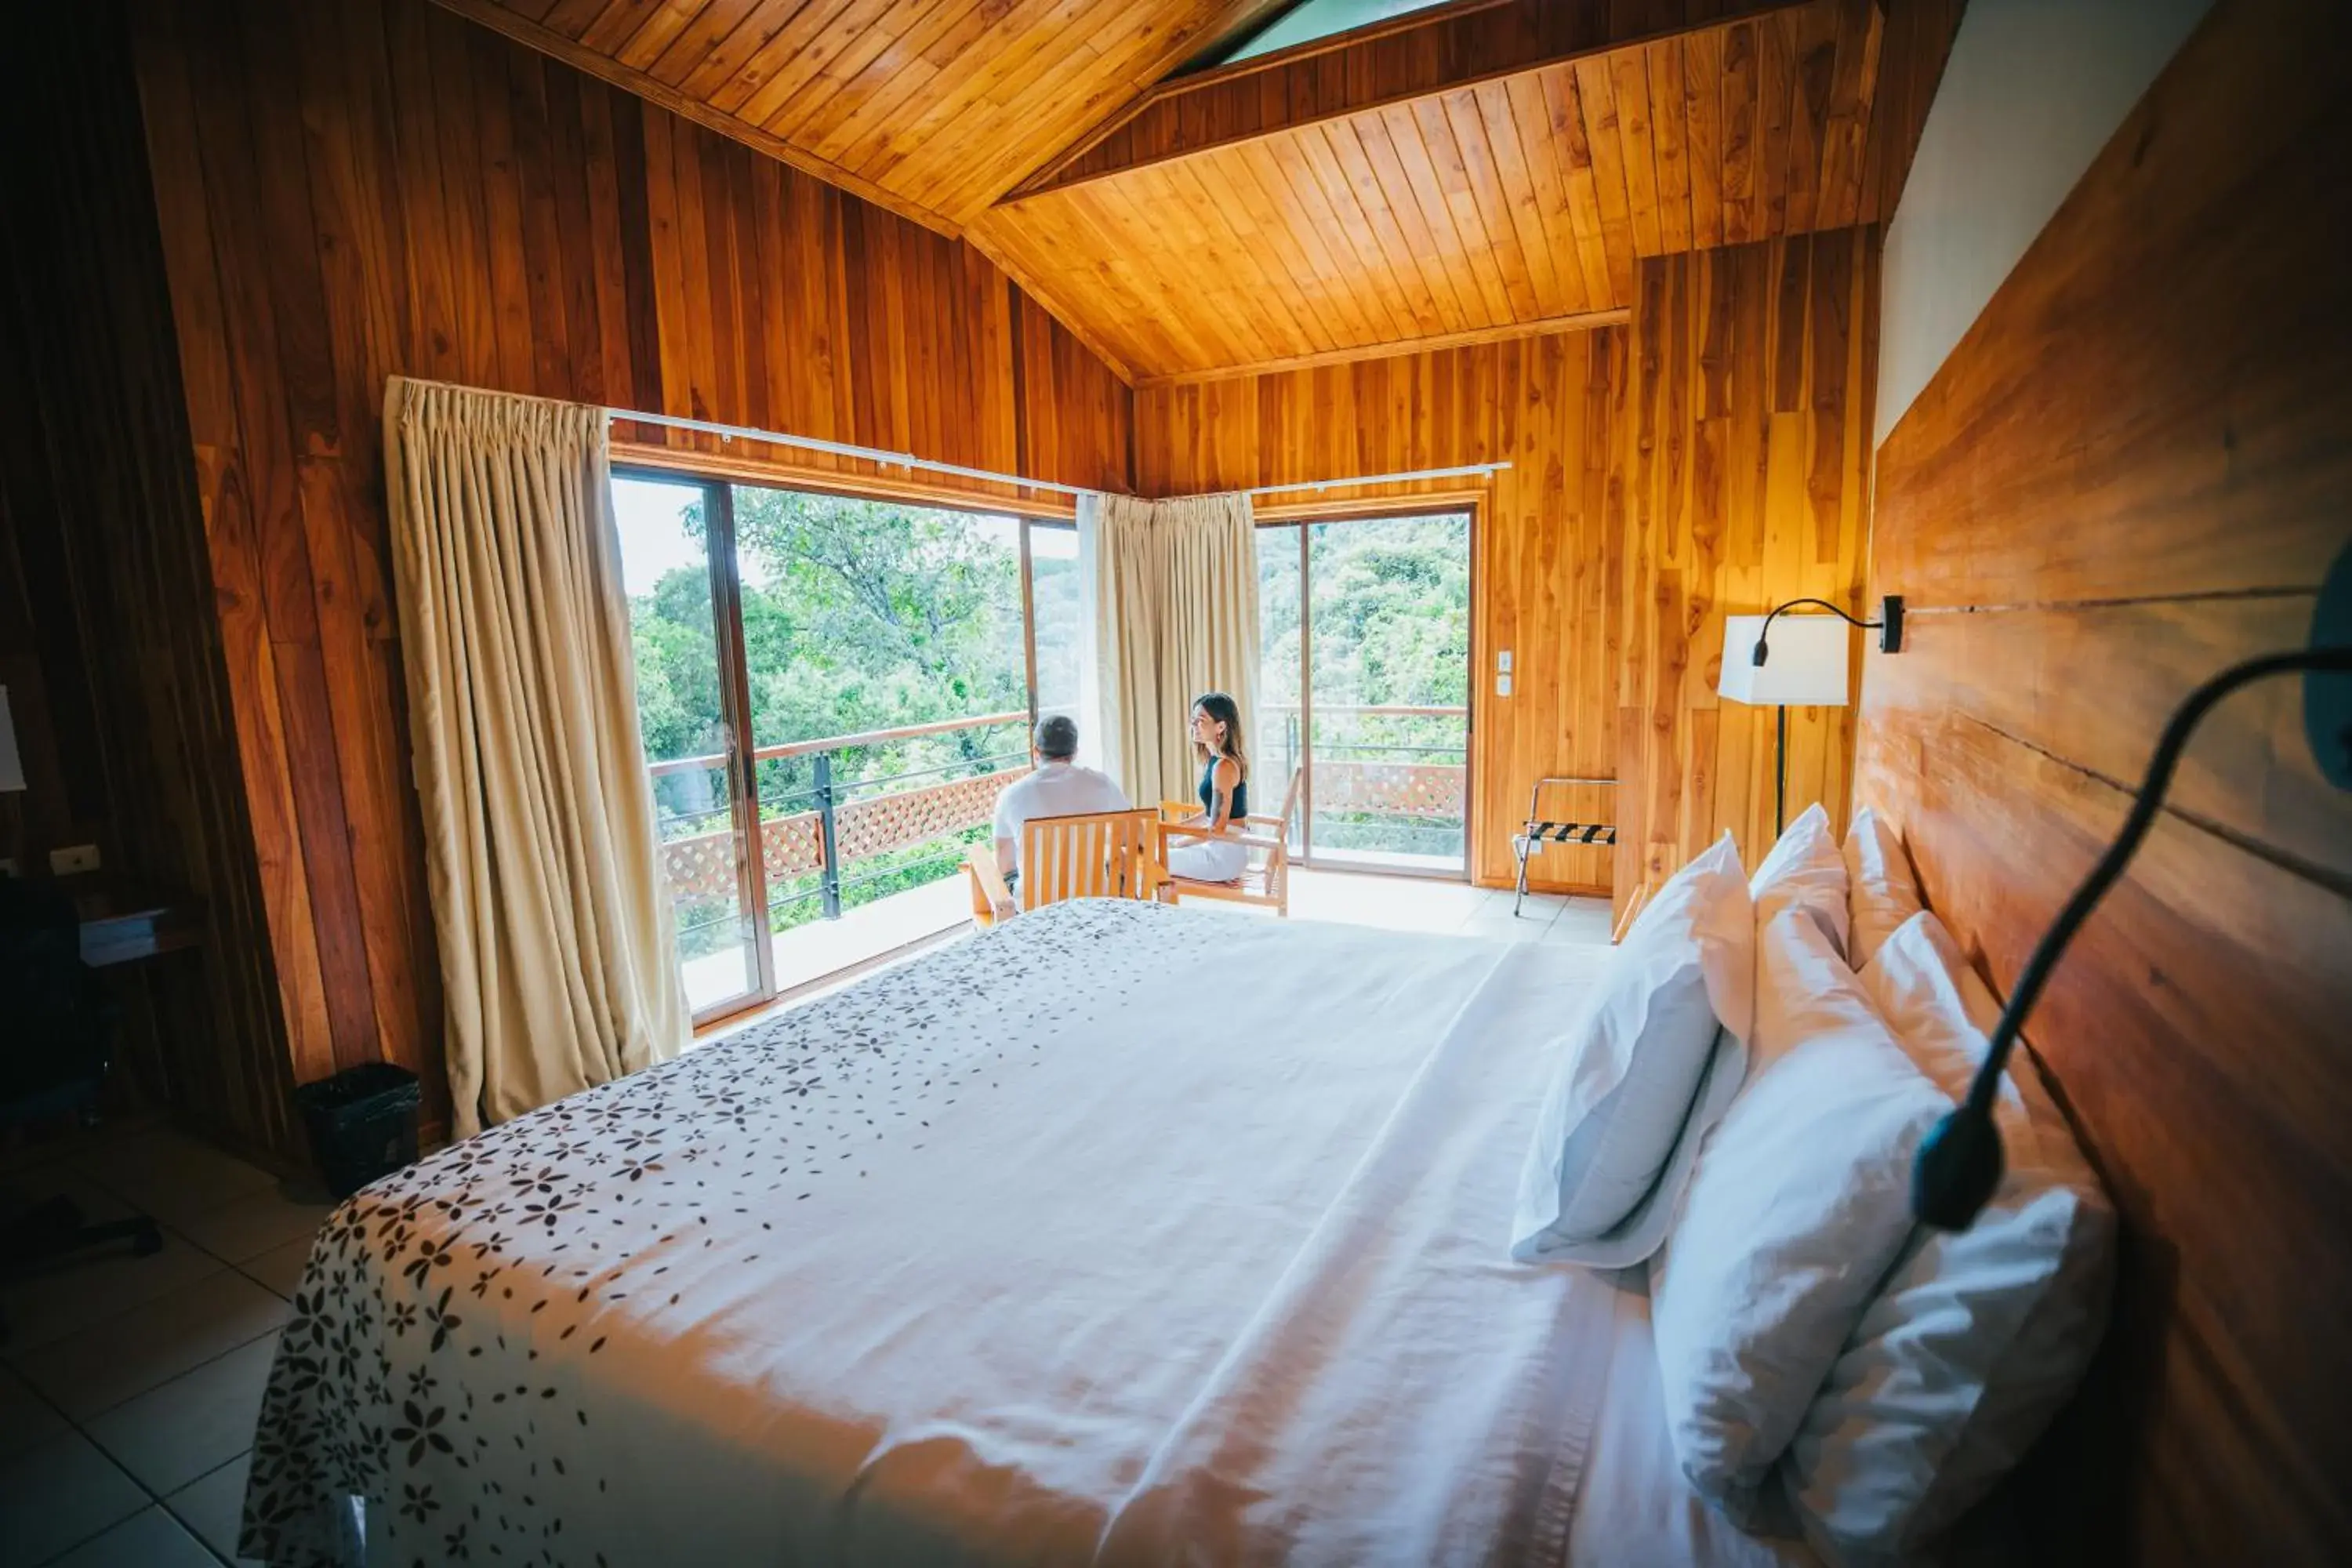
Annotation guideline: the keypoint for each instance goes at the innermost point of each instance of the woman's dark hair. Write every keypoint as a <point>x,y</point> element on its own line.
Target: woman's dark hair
<point>1224,710</point>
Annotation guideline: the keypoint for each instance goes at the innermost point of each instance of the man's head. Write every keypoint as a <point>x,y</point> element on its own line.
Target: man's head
<point>1057,738</point>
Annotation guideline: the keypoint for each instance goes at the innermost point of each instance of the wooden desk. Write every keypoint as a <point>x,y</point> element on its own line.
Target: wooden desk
<point>120,925</point>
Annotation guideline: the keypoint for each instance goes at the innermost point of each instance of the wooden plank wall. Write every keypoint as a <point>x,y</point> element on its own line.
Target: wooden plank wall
<point>2133,470</point>
<point>1742,447</point>
<point>1709,458</point>
<point>351,191</point>
<point>1545,574</point>
<point>108,645</point>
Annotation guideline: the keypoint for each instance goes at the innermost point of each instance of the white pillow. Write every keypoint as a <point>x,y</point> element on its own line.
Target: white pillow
<point>1618,1129</point>
<point>1882,891</point>
<point>1977,1339</point>
<point>1804,871</point>
<point>1801,1201</point>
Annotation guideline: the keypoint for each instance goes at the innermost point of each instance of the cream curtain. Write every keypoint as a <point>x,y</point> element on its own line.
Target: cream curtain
<point>1175,609</point>
<point>557,945</point>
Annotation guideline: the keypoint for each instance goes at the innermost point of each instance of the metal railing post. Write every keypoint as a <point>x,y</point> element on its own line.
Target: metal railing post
<point>830,874</point>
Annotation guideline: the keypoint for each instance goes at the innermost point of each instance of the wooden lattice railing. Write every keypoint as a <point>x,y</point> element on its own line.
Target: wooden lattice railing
<point>1425,791</point>
<point>1420,790</point>
<point>793,846</point>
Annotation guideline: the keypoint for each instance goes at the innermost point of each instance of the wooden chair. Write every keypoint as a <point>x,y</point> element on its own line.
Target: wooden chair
<point>1265,882</point>
<point>1088,855</point>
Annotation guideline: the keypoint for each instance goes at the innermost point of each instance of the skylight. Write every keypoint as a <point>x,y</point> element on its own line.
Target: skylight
<point>1312,19</point>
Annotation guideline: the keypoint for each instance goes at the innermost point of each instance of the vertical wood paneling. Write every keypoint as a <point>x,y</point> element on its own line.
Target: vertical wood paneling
<point>348,193</point>
<point>2132,471</point>
<point>1745,484</point>
<point>117,666</point>
<point>1544,572</point>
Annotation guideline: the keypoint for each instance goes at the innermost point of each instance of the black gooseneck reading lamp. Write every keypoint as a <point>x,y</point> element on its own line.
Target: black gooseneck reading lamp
<point>1959,1163</point>
<point>1889,625</point>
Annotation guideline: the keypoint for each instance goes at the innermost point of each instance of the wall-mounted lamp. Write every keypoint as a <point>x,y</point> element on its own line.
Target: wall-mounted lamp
<point>1959,1163</point>
<point>1798,663</point>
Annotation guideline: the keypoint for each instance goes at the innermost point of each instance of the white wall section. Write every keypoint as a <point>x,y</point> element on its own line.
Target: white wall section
<point>2032,92</point>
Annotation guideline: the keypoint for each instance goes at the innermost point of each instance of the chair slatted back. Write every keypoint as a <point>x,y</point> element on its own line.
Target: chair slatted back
<point>1089,855</point>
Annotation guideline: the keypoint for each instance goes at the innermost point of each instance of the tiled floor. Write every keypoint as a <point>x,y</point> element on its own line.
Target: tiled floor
<point>1452,909</point>
<point>129,1386</point>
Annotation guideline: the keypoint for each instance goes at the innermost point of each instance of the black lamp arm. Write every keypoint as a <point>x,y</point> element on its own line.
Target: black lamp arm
<point>1959,1163</point>
<point>1765,630</point>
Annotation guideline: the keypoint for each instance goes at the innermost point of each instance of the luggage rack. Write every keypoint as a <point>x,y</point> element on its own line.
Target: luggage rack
<point>1539,830</point>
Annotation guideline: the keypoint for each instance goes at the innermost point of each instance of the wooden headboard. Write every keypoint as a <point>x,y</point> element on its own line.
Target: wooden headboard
<point>2132,471</point>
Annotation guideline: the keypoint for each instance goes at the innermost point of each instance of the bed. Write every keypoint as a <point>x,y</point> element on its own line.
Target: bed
<point>1120,1233</point>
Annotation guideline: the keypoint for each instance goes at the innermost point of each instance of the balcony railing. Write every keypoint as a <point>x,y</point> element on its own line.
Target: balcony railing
<point>1371,779</point>
<point>812,837</point>
<point>843,821</point>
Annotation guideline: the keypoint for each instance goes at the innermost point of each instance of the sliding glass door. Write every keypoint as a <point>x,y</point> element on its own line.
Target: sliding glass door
<point>686,637</point>
<point>833,690</point>
<point>1364,688</point>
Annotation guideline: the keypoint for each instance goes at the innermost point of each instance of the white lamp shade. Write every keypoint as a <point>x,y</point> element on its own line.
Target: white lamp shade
<point>1807,667</point>
<point>12,765</point>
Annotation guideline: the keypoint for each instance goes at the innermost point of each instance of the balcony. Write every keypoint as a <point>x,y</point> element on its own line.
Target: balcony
<point>1385,785</point>
<point>855,866</point>
<point>851,865</point>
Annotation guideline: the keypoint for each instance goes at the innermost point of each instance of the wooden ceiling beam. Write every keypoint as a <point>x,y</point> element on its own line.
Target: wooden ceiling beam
<point>1414,57</point>
<point>1580,321</point>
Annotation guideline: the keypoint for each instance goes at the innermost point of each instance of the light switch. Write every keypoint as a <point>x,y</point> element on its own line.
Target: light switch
<point>1502,686</point>
<point>1503,662</point>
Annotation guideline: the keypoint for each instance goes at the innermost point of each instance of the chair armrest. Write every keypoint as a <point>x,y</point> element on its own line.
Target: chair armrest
<point>988,893</point>
<point>1253,840</point>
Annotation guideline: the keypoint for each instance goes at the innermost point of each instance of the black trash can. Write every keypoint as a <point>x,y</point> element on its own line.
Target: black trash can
<point>362,1123</point>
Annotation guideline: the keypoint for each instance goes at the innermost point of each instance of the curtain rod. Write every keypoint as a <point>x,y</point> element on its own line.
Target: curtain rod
<point>843,449</point>
<point>1455,473</point>
<point>909,460</point>
<point>989,476</point>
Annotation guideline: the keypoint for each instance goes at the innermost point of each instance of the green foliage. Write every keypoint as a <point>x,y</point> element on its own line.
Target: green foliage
<point>861,615</point>
<point>858,615</point>
<point>1392,628</point>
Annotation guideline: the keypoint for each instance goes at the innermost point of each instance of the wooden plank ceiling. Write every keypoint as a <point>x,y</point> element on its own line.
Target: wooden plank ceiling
<point>1488,205</point>
<point>1483,170</point>
<point>931,108</point>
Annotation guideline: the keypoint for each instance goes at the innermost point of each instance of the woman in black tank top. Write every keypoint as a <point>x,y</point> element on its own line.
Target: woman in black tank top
<point>1224,793</point>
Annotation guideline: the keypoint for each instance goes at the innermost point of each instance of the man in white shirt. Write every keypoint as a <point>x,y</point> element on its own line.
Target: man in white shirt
<point>1058,788</point>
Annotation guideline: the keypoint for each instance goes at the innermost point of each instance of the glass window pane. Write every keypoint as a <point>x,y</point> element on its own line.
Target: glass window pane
<point>681,715</point>
<point>1388,600</point>
<point>862,615</point>
<point>1280,752</point>
<point>1316,19</point>
<point>1061,633</point>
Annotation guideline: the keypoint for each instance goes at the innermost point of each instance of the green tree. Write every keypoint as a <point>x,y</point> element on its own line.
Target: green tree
<point>858,615</point>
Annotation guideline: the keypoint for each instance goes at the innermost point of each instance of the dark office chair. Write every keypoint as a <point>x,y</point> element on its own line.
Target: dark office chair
<point>53,1060</point>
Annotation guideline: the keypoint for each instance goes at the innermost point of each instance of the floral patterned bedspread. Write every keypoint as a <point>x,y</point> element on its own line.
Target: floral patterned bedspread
<point>697,1313</point>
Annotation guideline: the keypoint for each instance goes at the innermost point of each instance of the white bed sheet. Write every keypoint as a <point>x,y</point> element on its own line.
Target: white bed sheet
<point>1634,1509</point>
<point>1121,1233</point>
